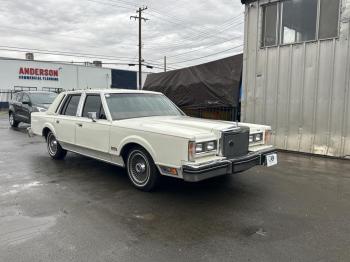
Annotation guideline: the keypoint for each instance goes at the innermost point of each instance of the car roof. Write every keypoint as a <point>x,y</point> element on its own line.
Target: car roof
<point>35,92</point>
<point>111,91</point>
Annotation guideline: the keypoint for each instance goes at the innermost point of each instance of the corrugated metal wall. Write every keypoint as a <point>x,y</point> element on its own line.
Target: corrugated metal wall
<point>301,90</point>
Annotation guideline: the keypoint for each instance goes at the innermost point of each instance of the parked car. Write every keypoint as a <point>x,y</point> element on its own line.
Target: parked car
<point>149,136</point>
<point>24,103</point>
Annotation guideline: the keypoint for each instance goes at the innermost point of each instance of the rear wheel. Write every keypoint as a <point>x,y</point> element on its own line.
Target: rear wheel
<point>141,169</point>
<point>12,120</point>
<point>54,148</point>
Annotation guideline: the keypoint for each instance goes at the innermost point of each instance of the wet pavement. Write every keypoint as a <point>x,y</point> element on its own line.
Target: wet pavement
<point>80,209</point>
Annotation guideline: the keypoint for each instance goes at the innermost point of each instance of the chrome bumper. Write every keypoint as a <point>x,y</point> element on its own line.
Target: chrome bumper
<point>195,173</point>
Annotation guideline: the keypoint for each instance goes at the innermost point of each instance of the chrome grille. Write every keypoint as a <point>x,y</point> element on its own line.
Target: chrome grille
<point>236,143</point>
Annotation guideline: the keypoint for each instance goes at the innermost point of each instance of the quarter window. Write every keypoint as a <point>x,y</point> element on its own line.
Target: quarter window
<point>93,103</point>
<point>70,106</point>
<point>295,21</point>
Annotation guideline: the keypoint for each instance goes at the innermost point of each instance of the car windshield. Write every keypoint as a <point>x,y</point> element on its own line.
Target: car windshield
<point>42,98</point>
<point>124,106</point>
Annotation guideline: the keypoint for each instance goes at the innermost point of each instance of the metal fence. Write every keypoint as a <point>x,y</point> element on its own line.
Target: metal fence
<point>217,113</point>
<point>5,97</point>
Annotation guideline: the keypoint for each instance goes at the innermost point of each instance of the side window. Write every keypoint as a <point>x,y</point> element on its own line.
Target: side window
<point>93,104</point>
<point>70,105</point>
<point>25,98</point>
<point>18,97</point>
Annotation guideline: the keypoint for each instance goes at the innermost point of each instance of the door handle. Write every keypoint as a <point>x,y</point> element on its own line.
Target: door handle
<point>79,125</point>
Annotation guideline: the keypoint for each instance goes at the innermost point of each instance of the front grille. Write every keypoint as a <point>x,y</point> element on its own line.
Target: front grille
<point>235,143</point>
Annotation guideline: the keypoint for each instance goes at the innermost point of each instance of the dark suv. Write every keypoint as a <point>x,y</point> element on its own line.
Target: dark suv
<point>24,103</point>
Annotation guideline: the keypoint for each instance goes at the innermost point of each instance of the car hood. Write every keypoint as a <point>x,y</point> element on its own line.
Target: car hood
<point>46,106</point>
<point>182,126</point>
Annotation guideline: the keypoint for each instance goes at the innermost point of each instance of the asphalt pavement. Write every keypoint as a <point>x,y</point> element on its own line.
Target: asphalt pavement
<point>81,209</point>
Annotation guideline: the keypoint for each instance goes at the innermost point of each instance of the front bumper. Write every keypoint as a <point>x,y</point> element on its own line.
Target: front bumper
<point>195,173</point>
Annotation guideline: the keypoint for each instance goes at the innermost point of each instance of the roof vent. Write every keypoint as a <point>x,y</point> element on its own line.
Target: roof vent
<point>97,63</point>
<point>30,56</point>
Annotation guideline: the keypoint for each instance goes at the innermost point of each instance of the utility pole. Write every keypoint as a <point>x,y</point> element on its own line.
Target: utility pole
<point>164,63</point>
<point>140,18</point>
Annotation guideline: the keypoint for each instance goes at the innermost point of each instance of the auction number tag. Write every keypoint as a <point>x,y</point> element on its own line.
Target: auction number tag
<point>271,160</point>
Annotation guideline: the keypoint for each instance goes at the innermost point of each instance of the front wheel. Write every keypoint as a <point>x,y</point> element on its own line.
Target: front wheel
<point>12,120</point>
<point>54,148</point>
<point>141,169</point>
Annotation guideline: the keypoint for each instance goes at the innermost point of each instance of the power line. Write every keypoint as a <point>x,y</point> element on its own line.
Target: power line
<point>109,4</point>
<point>203,46</point>
<point>61,53</point>
<point>199,48</point>
<point>198,58</point>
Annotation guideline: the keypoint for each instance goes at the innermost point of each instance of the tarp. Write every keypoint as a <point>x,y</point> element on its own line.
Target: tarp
<point>214,84</point>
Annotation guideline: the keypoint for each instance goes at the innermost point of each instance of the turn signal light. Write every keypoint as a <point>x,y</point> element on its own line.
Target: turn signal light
<point>169,170</point>
<point>191,151</point>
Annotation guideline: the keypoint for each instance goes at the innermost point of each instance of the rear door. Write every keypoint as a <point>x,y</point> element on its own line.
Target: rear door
<point>66,121</point>
<point>89,134</point>
<point>16,103</point>
<point>26,108</point>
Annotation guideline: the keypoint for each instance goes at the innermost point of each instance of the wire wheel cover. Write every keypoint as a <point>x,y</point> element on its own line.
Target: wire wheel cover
<point>52,144</point>
<point>138,168</point>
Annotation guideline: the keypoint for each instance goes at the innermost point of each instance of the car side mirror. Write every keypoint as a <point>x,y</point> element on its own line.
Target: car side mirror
<point>92,116</point>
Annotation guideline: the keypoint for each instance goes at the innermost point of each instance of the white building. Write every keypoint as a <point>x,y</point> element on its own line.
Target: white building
<point>22,74</point>
<point>17,73</point>
<point>297,72</point>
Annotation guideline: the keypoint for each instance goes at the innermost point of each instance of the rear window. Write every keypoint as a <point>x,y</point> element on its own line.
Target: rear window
<point>42,98</point>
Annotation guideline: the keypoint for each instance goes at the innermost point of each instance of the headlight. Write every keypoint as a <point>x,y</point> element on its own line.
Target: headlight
<point>210,146</point>
<point>256,138</point>
<point>199,148</point>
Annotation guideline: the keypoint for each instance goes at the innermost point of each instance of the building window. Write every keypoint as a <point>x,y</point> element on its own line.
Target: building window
<point>299,21</point>
<point>329,18</point>
<point>295,21</point>
<point>270,32</point>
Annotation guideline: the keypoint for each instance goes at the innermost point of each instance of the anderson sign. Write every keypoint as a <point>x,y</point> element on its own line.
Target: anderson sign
<point>28,73</point>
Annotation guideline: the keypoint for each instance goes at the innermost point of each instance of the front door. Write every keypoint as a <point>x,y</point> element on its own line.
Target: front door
<point>93,135</point>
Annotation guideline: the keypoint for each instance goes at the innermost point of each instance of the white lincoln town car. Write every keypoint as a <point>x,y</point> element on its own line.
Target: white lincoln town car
<point>150,136</point>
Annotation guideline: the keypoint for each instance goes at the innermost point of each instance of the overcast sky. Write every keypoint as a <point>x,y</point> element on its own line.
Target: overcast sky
<point>188,32</point>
